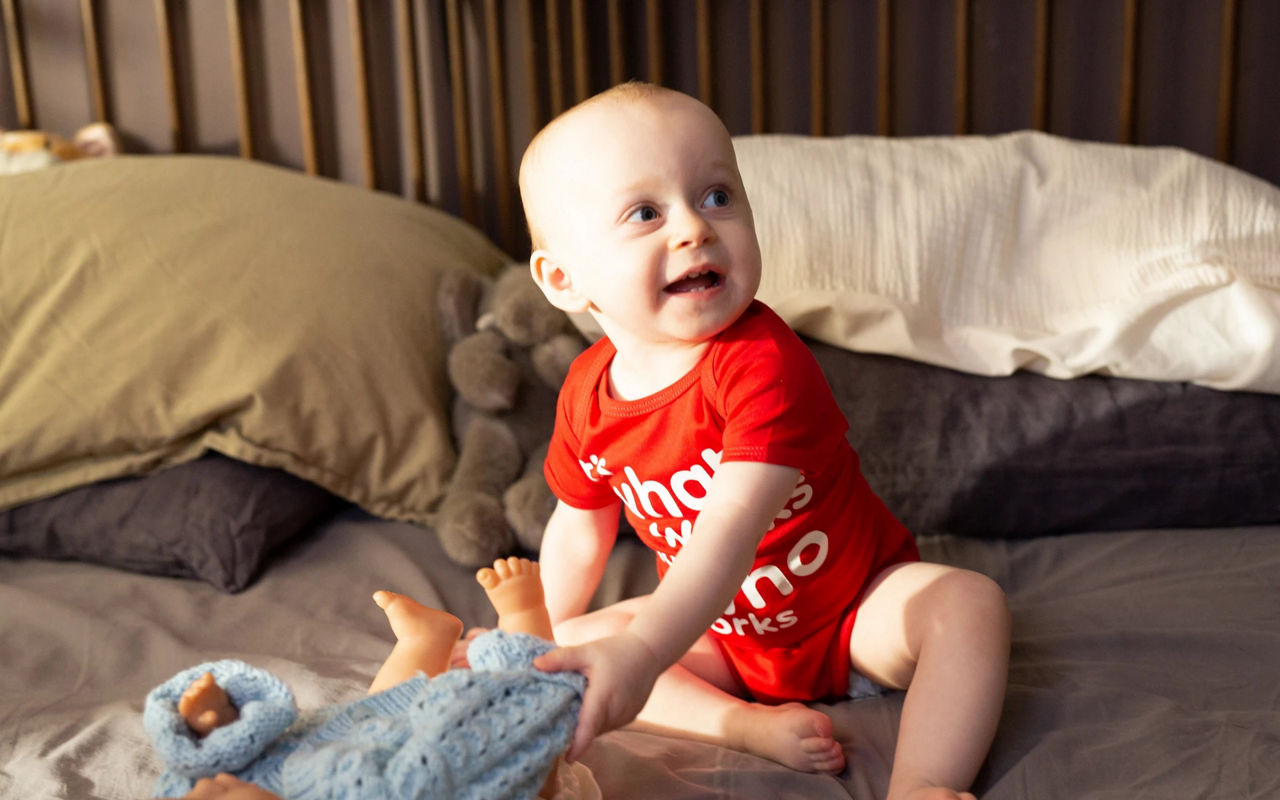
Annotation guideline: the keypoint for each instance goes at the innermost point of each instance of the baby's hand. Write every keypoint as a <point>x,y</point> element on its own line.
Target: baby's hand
<point>458,657</point>
<point>620,672</point>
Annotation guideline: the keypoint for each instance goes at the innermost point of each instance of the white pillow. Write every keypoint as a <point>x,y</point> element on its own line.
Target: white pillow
<point>1022,251</point>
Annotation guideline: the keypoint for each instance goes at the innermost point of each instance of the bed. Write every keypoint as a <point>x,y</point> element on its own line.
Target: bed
<point>1034,246</point>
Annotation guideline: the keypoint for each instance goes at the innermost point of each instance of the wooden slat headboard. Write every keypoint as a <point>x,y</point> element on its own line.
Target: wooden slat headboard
<point>435,99</point>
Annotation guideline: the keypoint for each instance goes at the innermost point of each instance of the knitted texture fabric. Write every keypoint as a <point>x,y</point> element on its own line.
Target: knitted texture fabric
<point>492,731</point>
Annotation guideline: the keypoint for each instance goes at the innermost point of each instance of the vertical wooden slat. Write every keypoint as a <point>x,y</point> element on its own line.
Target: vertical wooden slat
<point>235,33</point>
<point>1128,71</point>
<point>884,68</point>
<point>581,75</point>
<point>555,64</point>
<point>817,69</point>
<point>532,84</point>
<point>1227,81</point>
<point>1040,69</point>
<point>755,33</point>
<point>461,122</point>
<point>93,57</point>
<point>412,105</point>
<point>302,77</point>
<point>962,66</point>
<point>702,29</point>
<point>165,26</point>
<point>502,174</point>
<point>617,59</point>
<point>360,65</point>
<point>18,64</point>
<point>653,39</point>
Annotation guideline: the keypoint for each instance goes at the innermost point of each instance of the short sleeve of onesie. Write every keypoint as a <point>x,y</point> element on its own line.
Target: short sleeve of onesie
<point>564,472</point>
<point>776,404</point>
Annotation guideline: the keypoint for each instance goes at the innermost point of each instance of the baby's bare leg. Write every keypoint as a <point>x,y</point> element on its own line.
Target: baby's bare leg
<point>696,699</point>
<point>205,706</point>
<point>515,590</point>
<point>424,639</point>
<point>943,634</point>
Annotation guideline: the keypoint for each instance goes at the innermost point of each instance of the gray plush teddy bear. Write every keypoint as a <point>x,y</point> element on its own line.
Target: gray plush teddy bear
<point>509,352</point>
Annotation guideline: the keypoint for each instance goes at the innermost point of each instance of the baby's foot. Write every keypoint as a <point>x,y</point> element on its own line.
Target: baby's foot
<point>413,622</point>
<point>205,706</point>
<point>514,586</point>
<point>792,734</point>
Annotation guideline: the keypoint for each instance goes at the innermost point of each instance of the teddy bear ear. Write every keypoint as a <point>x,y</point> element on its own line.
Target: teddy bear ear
<point>98,139</point>
<point>458,299</point>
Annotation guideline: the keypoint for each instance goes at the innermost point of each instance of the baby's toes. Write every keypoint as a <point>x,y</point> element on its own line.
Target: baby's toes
<point>824,754</point>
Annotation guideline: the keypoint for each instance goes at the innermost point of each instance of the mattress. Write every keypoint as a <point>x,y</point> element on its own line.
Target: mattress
<point>1143,664</point>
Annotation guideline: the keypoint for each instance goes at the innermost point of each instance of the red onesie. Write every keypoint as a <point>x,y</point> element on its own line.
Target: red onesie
<point>757,395</point>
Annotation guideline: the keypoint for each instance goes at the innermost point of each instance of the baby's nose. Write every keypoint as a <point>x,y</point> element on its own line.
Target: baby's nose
<point>690,229</point>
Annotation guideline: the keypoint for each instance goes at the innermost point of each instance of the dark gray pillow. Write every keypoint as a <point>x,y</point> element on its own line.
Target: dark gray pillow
<point>214,518</point>
<point>1027,455</point>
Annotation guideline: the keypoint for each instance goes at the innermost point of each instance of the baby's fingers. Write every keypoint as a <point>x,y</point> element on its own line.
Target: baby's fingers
<point>588,727</point>
<point>561,659</point>
<point>566,659</point>
<point>458,655</point>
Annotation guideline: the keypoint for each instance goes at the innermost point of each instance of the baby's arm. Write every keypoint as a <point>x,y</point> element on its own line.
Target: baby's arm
<point>742,501</point>
<point>575,549</point>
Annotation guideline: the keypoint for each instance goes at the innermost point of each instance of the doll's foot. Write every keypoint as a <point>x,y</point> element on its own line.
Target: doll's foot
<point>424,637</point>
<point>792,734</point>
<point>514,587</point>
<point>205,706</point>
<point>413,622</point>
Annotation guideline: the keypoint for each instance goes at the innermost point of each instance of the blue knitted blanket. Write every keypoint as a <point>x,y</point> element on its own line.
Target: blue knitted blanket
<point>492,731</point>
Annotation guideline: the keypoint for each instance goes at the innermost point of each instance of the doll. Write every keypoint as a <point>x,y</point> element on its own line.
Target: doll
<point>226,729</point>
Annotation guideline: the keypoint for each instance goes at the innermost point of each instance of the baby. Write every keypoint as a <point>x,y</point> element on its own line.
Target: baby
<point>707,419</point>
<point>383,729</point>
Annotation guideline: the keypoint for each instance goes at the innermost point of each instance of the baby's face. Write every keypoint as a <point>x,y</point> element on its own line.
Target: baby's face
<point>646,212</point>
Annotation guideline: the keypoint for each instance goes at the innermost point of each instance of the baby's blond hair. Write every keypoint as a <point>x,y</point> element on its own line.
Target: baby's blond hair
<point>530,164</point>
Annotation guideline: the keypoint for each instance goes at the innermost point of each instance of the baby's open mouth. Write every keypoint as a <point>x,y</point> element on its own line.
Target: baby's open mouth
<point>695,282</point>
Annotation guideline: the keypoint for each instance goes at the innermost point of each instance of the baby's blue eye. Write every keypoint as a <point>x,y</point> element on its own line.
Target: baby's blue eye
<point>717,198</point>
<point>643,214</point>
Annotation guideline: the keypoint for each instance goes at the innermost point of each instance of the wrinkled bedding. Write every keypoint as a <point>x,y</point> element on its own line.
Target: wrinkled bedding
<point>1143,665</point>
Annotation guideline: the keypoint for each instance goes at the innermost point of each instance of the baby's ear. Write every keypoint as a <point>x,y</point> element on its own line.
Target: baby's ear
<point>556,283</point>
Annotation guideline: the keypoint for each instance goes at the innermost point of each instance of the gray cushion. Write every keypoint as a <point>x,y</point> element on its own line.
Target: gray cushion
<point>1026,455</point>
<point>215,518</point>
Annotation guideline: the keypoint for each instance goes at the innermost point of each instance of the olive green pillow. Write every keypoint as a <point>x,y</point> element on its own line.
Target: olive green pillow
<point>156,308</point>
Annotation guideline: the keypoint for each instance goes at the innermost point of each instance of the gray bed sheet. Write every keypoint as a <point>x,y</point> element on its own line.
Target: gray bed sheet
<point>1145,664</point>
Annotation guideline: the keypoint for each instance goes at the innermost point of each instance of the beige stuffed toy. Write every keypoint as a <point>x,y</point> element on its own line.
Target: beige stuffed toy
<point>25,151</point>
<point>509,352</point>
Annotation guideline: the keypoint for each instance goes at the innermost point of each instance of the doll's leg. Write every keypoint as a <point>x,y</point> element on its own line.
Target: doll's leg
<point>205,706</point>
<point>514,588</point>
<point>424,639</point>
